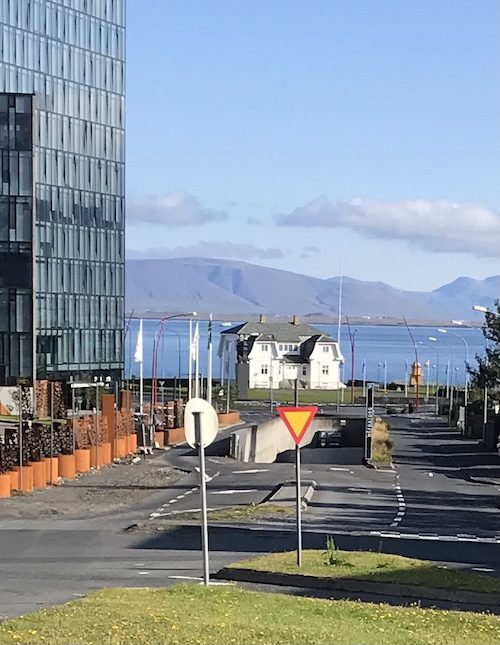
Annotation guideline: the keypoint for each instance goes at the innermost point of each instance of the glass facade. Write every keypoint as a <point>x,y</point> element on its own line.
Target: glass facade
<point>62,219</point>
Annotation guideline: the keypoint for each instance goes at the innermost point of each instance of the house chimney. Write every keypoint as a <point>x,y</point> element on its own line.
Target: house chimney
<point>262,318</point>
<point>295,320</point>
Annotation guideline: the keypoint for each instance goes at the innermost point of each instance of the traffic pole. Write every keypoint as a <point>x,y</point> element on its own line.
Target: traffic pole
<point>203,496</point>
<point>298,506</point>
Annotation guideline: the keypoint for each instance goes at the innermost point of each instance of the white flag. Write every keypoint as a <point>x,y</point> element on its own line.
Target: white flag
<point>195,341</point>
<point>139,353</point>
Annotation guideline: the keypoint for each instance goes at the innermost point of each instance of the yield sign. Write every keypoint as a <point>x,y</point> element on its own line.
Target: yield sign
<point>297,420</point>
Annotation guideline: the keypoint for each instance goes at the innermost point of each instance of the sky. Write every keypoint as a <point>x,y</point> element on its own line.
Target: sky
<point>310,135</point>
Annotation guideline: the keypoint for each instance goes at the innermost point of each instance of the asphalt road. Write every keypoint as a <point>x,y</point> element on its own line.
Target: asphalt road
<point>439,503</point>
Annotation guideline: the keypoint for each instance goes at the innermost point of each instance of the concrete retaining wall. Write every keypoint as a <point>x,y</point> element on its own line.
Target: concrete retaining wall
<point>264,442</point>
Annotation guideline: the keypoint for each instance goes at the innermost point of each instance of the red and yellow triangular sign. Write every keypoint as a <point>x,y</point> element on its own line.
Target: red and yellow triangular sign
<point>297,420</point>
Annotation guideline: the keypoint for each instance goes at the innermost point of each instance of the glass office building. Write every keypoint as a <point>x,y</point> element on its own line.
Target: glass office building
<point>62,219</point>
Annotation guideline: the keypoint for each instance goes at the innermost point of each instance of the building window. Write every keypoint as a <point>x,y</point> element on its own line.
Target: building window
<point>265,348</point>
<point>264,369</point>
<point>304,370</point>
<point>295,348</point>
<point>324,370</point>
<point>325,348</point>
<point>281,348</point>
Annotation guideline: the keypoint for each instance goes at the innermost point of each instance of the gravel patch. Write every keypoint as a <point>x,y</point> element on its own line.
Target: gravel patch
<point>110,488</point>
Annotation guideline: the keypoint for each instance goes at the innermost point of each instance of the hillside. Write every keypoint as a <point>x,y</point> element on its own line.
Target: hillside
<point>233,287</point>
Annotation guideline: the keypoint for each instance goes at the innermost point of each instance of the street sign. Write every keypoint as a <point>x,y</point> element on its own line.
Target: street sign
<point>209,422</point>
<point>370,417</point>
<point>297,420</point>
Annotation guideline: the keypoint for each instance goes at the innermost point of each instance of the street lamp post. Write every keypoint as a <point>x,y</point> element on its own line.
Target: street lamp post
<point>466,380</point>
<point>434,340</point>
<point>156,342</point>
<point>352,341</point>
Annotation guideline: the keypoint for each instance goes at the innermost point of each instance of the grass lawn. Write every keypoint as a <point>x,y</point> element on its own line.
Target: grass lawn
<point>192,614</point>
<point>377,567</point>
<point>242,513</point>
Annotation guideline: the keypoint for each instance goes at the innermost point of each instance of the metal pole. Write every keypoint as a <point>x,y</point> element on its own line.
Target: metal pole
<point>271,402</point>
<point>51,430</point>
<point>20,439</point>
<point>385,375</point>
<point>428,365</point>
<point>203,496</point>
<point>296,392</point>
<point>73,417</point>
<point>364,377</point>
<point>228,383</point>
<point>437,386</point>
<point>298,506</point>
<point>209,362</point>
<point>190,353</point>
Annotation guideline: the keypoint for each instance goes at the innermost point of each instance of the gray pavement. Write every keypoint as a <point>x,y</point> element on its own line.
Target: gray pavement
<point>439,503</point>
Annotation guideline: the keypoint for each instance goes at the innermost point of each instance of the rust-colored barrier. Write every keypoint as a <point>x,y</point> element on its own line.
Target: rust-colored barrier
<point>132,443</point>
<point>67,466</point>
<point>39,474</point>
<point>106,454</point>
<point>5,485</point>
<point>95,456</point>
<point>82,460</point>
<point>228,418</point>
<point>52,469</point>
<point>160,438</point>
<point>176,435</point>
<point>121,447</point>
<point>23,479</point>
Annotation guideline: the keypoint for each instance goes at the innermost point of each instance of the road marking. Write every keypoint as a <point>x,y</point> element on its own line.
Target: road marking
<point>250,472</point>
<point>341,470</point>
<point>143,573</point>
<point>482,569</point>
<point>185,578</point>
<point>435,537</point>
<point>233,491</point>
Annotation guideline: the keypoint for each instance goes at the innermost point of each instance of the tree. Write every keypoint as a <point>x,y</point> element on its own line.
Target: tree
<point>487,373</point>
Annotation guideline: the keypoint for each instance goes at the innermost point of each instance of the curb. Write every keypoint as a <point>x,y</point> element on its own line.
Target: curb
<point>488,601</point>
<point>307,496</point>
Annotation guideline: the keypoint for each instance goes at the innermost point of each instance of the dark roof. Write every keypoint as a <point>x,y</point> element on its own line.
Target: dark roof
<point>278,331</point>
<point>294,358</point>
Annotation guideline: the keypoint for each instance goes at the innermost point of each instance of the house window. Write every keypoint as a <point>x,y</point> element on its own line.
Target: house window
<point>281,348</point>
<point>325,348</point>
<point>265,348</point>
<point>304,370</point>
<point>295,348</point>
<point>324,370</point>
<point>264,369</point>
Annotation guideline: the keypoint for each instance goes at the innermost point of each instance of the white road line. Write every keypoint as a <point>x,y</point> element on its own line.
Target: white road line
<point>143,573</point>
<point>185,578</point>
<point>250,472</point>
<point>233,491</point>
<point>482,569</point>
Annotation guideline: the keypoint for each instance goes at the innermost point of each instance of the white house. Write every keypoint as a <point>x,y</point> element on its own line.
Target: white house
<point>275,354</point>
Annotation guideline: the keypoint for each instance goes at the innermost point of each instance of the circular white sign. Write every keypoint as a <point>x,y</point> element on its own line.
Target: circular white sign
<point>209,422</point>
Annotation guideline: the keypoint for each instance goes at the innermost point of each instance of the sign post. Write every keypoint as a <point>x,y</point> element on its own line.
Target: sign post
<point>297,420</point>
<point>201,427</point>
<point>370,415</point>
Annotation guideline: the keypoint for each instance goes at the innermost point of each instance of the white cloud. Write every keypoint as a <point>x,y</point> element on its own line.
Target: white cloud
<point>441,226</point>
<point>209,249</point>
<point>171,210</point>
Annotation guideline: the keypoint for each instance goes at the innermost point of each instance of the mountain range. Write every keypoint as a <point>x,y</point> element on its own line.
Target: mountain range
<point>228,287</point>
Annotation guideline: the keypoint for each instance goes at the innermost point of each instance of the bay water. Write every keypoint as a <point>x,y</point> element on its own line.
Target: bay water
<point>386,351</point>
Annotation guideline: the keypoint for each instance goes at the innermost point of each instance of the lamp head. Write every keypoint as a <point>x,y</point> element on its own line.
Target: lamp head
<point>433,339</point>
<point>457,322</point>
<point>442,331</point>
<point>480,308</point>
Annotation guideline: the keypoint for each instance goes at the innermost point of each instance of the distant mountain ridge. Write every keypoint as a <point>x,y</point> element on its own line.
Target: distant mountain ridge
<point>234,287</point>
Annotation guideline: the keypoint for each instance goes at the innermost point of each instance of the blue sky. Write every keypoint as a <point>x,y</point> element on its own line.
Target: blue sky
<point>303,134</point>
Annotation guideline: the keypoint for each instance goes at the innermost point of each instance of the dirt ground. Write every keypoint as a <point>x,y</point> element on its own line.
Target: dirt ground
<point>108,489</point>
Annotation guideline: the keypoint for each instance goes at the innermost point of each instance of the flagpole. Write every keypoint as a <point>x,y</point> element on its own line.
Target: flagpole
<point>197,361</point>
<point>190,351</point>
<point>209,361</point>
<point>339,307</point>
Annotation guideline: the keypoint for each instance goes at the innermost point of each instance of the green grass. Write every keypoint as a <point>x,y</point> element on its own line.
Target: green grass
<point>191,614</point>
<point>377,567</point>
<point>242,513</point>
<point>329,396</point>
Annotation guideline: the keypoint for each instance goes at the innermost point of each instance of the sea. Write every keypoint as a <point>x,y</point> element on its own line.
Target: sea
<point>381,353</point>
